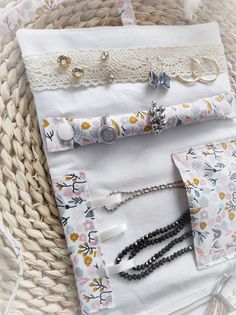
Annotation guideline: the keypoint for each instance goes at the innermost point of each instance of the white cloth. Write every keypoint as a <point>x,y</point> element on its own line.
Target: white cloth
<point>135,162</point>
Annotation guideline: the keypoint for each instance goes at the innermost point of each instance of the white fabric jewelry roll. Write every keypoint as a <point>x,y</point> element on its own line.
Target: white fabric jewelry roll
<point>132,163</point>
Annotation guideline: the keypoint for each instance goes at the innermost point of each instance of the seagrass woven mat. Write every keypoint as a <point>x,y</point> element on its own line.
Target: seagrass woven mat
<point>26,200</point>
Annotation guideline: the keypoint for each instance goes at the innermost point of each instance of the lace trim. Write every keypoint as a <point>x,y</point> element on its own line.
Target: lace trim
<point>125,64</point>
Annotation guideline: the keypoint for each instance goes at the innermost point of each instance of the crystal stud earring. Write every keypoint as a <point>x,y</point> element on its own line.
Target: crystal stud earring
<point>77,73</point>
<point>105,58</point>
<point>111,77</point>
<point>105,55</point>
<point>63,61</point>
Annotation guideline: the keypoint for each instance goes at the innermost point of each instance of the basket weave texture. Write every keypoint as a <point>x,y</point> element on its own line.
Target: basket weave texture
<point>26,200</point>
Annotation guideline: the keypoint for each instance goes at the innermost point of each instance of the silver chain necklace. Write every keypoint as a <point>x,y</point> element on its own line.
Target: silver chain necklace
<point>129,195</point>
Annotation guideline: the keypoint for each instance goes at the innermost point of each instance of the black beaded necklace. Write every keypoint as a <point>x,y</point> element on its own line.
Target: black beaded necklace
<point>152,238</point>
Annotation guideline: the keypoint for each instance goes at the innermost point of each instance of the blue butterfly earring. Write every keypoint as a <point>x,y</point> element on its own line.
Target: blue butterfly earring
<point>165,80</point>
<point>153,79</point>
<point>162,80</point>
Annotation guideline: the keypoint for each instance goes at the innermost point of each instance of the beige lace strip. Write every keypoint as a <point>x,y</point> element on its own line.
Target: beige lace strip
<point>125,65</point>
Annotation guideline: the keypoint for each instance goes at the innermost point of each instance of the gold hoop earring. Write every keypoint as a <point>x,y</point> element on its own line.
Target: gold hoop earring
<point>195,79</point>
<point>215,63</point>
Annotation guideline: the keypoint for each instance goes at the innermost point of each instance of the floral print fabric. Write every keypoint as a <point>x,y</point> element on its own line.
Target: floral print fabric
<point>209,174</point>
<point>86,129</point>
<point>78,220</point>
<point>126,12</point>
<point>23,12</point>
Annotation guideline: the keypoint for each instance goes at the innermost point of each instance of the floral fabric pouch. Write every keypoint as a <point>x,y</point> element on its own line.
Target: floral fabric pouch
<point>209,174</point>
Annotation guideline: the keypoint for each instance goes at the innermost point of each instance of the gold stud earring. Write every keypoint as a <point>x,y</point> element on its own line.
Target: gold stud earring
<point>215,63</point>
<point>105,55</point>
<point>195,78</point>
<point>77,73</point>
<point>63,61</point>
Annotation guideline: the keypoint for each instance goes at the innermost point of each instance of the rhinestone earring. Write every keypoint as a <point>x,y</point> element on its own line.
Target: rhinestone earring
<point>77,73</point>
<point>63,61</point>
<point>105,58</point>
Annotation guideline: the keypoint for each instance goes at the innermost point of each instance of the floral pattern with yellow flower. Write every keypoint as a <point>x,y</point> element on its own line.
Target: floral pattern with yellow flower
<point>133,119</point>
<point>116,125</point>
<point>74,237</point>
<point>87,249</point>
<point>185,105</point>
<point>97,285</point>
<point>45,123</point>
<point>135,123</point>
<point>148,128</point>
<point>212,199</point>
<point>85,125</point>
<point>88,260</point>
<point>73,201</point>
<point>203,225</point>
<point>59,186</point>
<point>142,114</point>
<point>221,195</point>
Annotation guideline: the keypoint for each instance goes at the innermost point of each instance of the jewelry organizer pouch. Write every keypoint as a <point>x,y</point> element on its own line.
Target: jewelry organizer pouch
<point>209,174</point>
<point>85,173</point>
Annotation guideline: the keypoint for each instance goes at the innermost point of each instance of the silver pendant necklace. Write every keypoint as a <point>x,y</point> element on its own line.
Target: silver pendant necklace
<point>129,195</point>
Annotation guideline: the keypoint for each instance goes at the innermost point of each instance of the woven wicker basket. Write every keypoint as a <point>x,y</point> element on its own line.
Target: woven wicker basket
<point>26,200</point>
